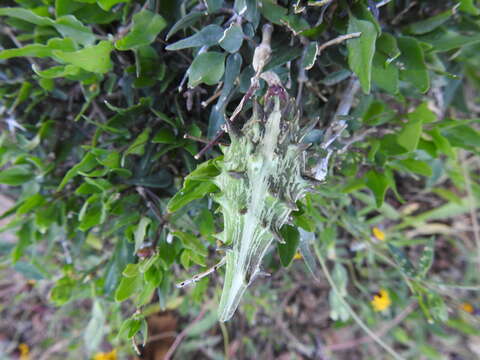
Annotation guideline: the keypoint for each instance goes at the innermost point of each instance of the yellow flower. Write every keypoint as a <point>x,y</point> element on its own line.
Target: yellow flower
<point>467,307</point>
<point>381,301</point>
<point>297,256</point>
<point>24,351</point>
<point>112,355</point>
<point>379,234</point>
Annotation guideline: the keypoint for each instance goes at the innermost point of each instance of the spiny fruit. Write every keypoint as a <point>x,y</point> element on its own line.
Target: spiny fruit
<point>260,182</point>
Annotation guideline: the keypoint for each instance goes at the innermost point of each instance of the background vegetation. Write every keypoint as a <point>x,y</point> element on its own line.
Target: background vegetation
<point>101,105</point>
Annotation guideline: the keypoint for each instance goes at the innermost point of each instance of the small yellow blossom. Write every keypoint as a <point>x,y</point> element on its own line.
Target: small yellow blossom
<point>112,355</point>
<point>379,234</point>
<point>24,351</point>
<point>297,256</point>
<point>381,301</point>
<point>467,307</point>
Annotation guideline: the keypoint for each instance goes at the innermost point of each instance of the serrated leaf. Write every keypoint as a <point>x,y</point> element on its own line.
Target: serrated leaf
<point>361,50</point>
<point>206,68</point>
<point>145,29</point>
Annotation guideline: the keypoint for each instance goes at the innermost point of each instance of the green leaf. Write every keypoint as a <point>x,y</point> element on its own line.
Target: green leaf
<point>191,242</point>
<point>154,276</point>
<point>430,24</point>
<point>70,27</point>
<point>426,259</point>
<point>31,203</point>
<point>232,38</point>
<point>62,291</point>
<point>385,74</point>
<point>108,4</point>
<point>273,12</point>
<point>16,175</point>
<point>164,136</point>
<point>95,329</point>
<point>208,36</point>
<point>39,50</point>
<point>25,238</point>
<point>141,231</point>
<point>146,27</point>
<point>378,183</point>
<point>468,6</point>
<point>26,15</point>
<point>361,50</point>
<point>442,143</point>
<point>310,55</point>
<point>412,63</point>
<point>138,146</point>
<point>131,270</point>
<point>287,251</point>
<point>57,71</point>
<point>93,58</point>
<point>184,22</point>
<point>402,260</point>
<point>128,286</point>
<point>462,136</point>
<point>417,166</point>
<point>196,185</point>
<point>88,163</point>
<point>122,256</point>
<point>410,134</point>
<point>207,68</point>
<point>214,5</point>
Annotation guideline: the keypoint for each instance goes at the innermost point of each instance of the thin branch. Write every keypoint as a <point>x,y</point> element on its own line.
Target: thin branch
<point>352,313</point>
<point>473,205</point>
<point>337,40</point>
<point>336,128</point>
<point>381,332</point>
<point>183,334</point>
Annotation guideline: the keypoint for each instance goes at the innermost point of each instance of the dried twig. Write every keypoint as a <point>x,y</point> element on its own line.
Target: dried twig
<point>335,129</point>
<point>473,206</point>
<point>184,333</point>
<point>381,332</point>
<point>337,41</point>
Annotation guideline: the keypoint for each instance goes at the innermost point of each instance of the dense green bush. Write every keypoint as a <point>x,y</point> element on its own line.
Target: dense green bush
<point>105,104</point>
